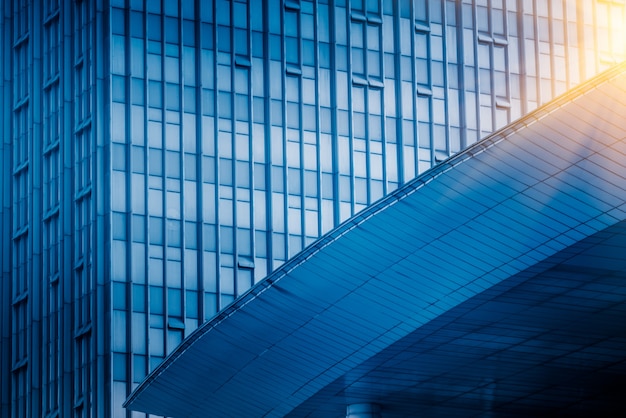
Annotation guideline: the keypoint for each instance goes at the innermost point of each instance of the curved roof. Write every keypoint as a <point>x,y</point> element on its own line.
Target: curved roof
<point>506,211</point>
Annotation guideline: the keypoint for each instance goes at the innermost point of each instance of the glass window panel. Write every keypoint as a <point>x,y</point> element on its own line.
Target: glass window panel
<point>373,64</point>
<point>241,42</point>
<point>374,101</point>
<point>118,88</point>
<point>223,38</point>
<point>358,99</point>
<point>154,27</point>
<point>156,305</point>
<point>191,304</point>
<point>308,26</point>
<point>155,94</point>
<point>174,302</point>
<point>138,194</point>
<point>358,58</point>
<point>485,81</point>
<point>341,58</point>
<point>207,74</point>
<point>308,53</point>
<point>172,133</point>
<point>292,50</point>
<point>340,26</point>
<point>156,230</point>
<point>172,96</point>
<point>118,183</point>
<point>422,70</point>
<point>359,125</point>
<point>291,23</point>
<point>275,45</point>
<point>373,37</point>
<point>240,14</point>
<point>375,127</point>
<point>293,115</point>
<point>244,280</point>
<point>357,35</point>
<point>257,45</point>
<point>225,105</point>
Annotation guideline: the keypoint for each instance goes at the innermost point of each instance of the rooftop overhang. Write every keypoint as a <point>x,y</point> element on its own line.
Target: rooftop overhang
<point>493,282</point>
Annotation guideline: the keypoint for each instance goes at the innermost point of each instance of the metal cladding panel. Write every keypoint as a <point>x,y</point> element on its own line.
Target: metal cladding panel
<point>537,209</point>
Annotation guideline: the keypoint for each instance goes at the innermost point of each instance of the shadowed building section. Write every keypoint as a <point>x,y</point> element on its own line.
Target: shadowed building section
<point>492,283</point>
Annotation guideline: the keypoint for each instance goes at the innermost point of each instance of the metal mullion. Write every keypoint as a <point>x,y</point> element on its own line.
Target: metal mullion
<point>49,155</point>
<point>199,164</point>
<point>431,108</point>
<point>521,53</point>
<point>507,67</point>
<point>66,216</point>
<point>566,45</point>
<point>268,145</point>
<point>34,233</point>
<point>333,113</point>
<point>318,123</point>
<point>368,170</point>
<point>594,41</point>
<point>216,196</point>
<point>72,375</point>
<point>446,83</point>
<point>96,405</point>
<point>623,51</point>
<point>582,53</point>
<point>146,256</point>
<point>537,54</point>
<point>5,209</point>
<point>476,71</point>
<point>415,100</point>
<point>460,55</point>
<point>492,69</point>
<point>350,107</point>
<point>301,137</point>
<point>284,133</point>
<point>164,182</point>
<point>128,212</point>
<point>552,50</point>
<point>233,128</point>
<point>398,95</point>
<point>181,172</point>
<point>251,148</point>
<point>383,108</point>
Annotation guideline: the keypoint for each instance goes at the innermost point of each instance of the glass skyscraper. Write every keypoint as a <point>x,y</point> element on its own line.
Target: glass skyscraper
<point>158,158</point>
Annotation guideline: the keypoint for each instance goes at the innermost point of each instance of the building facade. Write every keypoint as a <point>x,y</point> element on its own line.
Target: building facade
<point>159,158</point>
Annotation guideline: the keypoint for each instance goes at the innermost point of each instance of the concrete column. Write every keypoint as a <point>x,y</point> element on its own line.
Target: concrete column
<point>363,410</point>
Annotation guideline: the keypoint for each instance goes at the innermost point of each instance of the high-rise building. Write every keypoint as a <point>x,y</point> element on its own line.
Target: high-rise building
<point>160,157</point>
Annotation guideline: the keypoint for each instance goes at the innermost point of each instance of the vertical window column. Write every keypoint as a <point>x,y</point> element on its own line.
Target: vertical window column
<point>391,107</point>
<point>367,76</point>
<point>243,167</point>
<point>83,211</point>
<point>21,184</point>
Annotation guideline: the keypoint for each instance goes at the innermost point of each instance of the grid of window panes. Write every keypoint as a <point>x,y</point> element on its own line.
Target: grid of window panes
<point>50,367</point>
<point>234,134</point>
